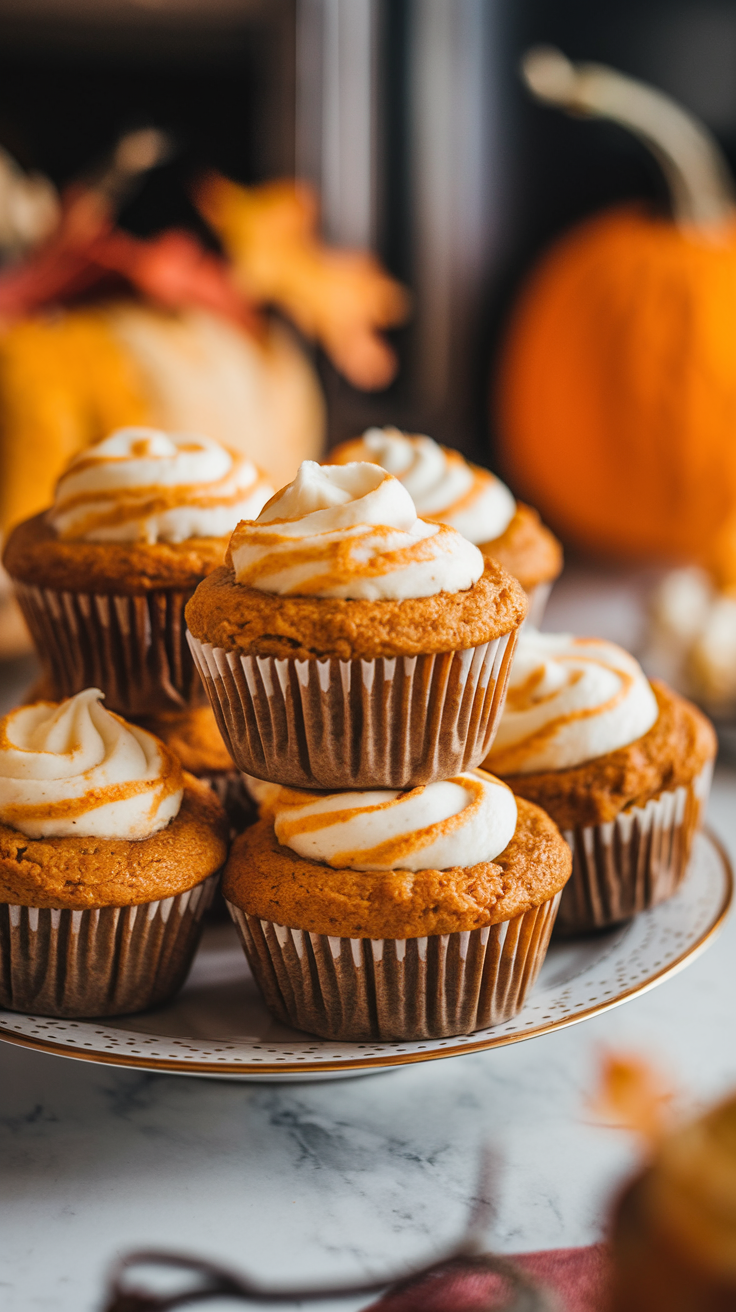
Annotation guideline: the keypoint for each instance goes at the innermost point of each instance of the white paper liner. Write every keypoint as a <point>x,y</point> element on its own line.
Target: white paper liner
<point>538,596</point>
<point>133,648</point>
<point>633,862</point>
<point>359,990</point>
<point>101,961</point>
<point>384,723</point>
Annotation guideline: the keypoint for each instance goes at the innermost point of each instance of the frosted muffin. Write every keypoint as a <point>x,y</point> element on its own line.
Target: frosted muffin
<point>673,1240</point>
<point>623,766</point>
<point>347,643</point>
<point>109,855</point>
<point>104,574</point>
<point>448,489</point>
<point>397,915</point>
<point>193,736</point>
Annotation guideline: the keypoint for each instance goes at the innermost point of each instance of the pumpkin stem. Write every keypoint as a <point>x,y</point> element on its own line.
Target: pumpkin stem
<point>698,175</point>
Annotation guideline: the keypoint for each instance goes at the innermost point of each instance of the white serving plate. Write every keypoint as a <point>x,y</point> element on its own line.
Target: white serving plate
<point>218,1026</point>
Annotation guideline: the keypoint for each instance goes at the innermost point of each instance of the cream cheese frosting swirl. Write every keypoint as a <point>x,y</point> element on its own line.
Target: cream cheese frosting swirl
<point>569,700</point>
<point>350,531</point>
<point>460,822</point>
<point>143,485</point>
<point>441,483</point>
<point>74,768</point>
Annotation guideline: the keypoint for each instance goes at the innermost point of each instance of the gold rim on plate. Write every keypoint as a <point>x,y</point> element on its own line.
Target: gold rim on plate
<point>464,1044</point>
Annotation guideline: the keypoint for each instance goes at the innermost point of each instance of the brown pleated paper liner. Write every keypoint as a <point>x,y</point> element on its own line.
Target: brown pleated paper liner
<point>633,862</point>
<point>384,723</point>
<point>133,648</point>
<point>231,792</point>
<point>358,989</point>
<point>102,961</point>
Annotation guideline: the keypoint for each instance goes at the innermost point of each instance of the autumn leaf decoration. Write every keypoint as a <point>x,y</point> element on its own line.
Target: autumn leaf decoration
<point>339,298</point>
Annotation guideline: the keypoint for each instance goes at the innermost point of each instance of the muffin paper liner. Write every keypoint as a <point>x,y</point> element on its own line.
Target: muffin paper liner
<point>633,862</point>
<point>133,648</point>
<point>384,723</point>
<point>229,788</point>
<point>231,792</point>
<point>538,596</point>
<point>358,989</point>
<point>102,961</point>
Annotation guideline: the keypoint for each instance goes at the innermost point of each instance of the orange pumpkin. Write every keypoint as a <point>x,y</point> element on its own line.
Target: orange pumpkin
<point>616,403</point>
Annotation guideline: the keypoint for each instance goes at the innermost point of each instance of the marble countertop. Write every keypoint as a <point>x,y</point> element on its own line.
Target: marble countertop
<point>344,1179</point>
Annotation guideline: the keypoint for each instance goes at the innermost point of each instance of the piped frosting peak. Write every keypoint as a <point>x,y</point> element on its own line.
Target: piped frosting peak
<point>569,700</point>
<point>442,484</point>
<point>143,485</point>
<point>350,531</point>
<point>74,768</point>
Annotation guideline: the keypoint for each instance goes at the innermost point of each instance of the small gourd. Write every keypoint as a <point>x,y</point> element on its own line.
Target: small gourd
<point>616,400</point>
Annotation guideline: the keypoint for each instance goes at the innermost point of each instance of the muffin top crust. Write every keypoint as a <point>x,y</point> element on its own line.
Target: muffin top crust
<point>95,811</point>
<point>672,753</point>
<point>237,618</point>
<point>527,549</point>
<point>193,736</point>
<point>271,881</point>
<point>95,872</point>
<point>338,564</point>
<point>35,555</point>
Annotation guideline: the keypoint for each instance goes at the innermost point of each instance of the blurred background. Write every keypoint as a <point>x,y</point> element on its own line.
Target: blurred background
<point>409,116</point>
<point>280,324</point>
<point>424,149</point>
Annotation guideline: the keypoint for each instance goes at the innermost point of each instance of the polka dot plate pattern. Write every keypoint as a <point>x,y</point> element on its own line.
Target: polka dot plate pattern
<point>218,1027</point>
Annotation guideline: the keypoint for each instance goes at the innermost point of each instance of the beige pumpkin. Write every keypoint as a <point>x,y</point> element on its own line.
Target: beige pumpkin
<point>68,380</point>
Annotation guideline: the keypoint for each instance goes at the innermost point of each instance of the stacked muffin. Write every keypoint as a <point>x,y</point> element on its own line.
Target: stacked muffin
<point>623,768</point>
<point>357,657</point>
<point>354,661</point>
<point>109,850</point>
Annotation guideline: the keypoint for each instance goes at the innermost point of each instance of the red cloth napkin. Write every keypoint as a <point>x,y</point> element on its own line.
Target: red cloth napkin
<point>579,1277</point>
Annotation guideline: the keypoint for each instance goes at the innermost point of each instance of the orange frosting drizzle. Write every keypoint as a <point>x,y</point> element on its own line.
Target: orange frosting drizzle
<point>354,449</point>
<point>507,760</point>
<point>170,781</point>
<point>481,479</point>
<point>339,556</point>
<point>392,850</point>
<point>145,502</point>
<point>140,450</point>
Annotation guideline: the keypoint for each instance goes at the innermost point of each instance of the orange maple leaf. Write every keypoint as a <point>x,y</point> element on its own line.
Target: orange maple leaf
<point>339,298</point>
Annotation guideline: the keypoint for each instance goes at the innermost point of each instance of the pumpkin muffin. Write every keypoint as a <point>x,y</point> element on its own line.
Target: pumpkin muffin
<point>673,1233</point>
<point>397,915</point>
<point>448,489</point>
<point>347,643</point>
<point>103,575</point>
<point>622,766</point>
<point>109,855</point>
